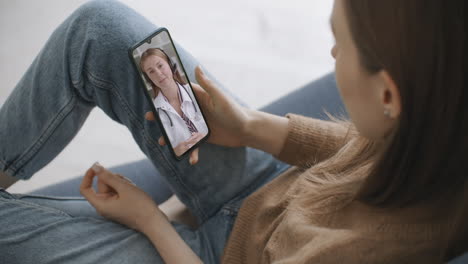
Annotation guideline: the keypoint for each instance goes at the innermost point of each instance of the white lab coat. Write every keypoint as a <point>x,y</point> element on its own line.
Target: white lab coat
<point>179,131</point>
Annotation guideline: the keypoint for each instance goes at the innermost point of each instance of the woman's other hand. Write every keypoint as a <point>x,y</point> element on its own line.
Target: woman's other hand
<point>226,118</point>
<point>118,198</point>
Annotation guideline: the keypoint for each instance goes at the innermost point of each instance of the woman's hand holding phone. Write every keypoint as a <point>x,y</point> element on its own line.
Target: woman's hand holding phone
<point>226,118</point>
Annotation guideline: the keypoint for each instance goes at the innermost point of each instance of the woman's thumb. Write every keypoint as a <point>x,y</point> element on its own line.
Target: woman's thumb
<point>108,178</point>
<point>205,82</point>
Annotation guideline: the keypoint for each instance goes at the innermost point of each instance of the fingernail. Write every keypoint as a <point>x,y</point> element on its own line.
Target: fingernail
<point>201,70</point>
<point>97,167</point>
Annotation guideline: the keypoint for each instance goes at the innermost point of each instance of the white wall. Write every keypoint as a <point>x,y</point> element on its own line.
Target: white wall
<point>260,49</point>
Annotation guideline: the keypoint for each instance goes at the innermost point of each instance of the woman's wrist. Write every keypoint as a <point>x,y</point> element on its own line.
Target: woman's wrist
<point>154,218</point>
<point>167,241</point>
<point>248,128</point>
<point>264,131</point>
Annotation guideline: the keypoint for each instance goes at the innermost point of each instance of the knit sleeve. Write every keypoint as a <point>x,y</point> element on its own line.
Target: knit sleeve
<point>311,140</point>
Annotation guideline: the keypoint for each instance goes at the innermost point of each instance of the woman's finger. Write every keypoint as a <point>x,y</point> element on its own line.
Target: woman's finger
<point>126,179</point>
<point>150,116</point>
<point>86,187</point>
<point>112,181</point>
<point>161,141</point>
<point>198,89</point>
<point>206,83</point>
<point>101,187</point>
<point>202,95</point>
<point>117,184</point>
<point>105,195</point>
<point>106,184</point>
<point>194,157</point>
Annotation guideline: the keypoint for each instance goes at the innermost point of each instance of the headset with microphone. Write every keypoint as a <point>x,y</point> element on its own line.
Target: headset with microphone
<point>169,117</point>
<point>174,69</point>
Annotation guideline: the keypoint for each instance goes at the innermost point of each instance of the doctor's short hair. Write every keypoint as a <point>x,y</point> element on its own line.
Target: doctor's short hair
<point>162,54</point>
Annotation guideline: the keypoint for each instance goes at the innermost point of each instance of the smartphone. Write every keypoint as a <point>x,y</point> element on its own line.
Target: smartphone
<point>168,90</point>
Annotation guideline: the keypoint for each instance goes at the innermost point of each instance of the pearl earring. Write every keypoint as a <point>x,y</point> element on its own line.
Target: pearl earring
<point>387,113</point>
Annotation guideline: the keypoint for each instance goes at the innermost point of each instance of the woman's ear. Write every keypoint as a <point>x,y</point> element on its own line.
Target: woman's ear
<point>389,95</point>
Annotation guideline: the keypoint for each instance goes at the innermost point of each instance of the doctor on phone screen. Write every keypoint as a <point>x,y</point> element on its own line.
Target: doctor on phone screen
<point>177,109</point>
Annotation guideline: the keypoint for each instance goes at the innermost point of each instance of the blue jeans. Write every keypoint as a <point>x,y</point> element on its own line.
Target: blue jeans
<point>85,64</point>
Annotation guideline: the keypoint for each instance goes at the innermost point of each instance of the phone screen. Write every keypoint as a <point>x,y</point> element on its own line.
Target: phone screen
<point>170,92</point>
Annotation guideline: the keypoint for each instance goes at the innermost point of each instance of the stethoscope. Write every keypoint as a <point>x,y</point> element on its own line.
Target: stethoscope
<point>168,116</point>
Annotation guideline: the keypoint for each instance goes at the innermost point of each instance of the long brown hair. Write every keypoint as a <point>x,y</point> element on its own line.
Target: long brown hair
<point>421,44</point>
<point>162,54</point>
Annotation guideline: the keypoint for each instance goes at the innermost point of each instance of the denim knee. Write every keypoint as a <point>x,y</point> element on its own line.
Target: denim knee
<point>112,23</point>
<point>100,34</point>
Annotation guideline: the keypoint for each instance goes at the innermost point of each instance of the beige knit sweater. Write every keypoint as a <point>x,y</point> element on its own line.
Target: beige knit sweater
<point>267,231</point>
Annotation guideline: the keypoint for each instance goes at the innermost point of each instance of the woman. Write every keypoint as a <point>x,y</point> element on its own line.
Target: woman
<point>179,114</point>
<point>385,188</point>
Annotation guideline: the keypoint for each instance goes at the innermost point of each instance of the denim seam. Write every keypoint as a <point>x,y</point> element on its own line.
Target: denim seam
<point>105,84</point>
<point>36,206</point>
<point>229,211</point>
<point>20,162</point>
<point>50,197</point>
<point>194,198</point>
<point>4,165</point>
<point>111,86</point>
<point>79,83</point>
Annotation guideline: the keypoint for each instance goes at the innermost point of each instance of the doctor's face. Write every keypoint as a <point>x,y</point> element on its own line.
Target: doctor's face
<point>158,70</point>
